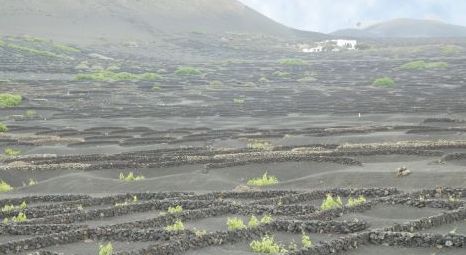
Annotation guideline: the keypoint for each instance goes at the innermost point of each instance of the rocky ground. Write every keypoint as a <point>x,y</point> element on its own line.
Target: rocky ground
<point>319,125</point>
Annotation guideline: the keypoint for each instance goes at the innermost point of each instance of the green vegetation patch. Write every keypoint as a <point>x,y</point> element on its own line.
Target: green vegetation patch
<point>2,42</point>
<point>107,75</point>
<point>66,48</point>
<point>292,62</point>
<point>10,100</point>
<point>175,227</point>
<point>3,128</point>
<point>265,180</point>
<point>187,71</point>
<point>4,186</point>
<point>36,52</point>
<point>106,249</point>
<point>11,152</point>
<point>330,203</point>
<point>422,65</point>
<point>130,177</point>
<point>385,82</point>
<point>266,245</point>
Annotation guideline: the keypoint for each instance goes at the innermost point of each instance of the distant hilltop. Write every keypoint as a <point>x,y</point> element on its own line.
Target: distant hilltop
<point>70,20</point>
<point>405,28</point>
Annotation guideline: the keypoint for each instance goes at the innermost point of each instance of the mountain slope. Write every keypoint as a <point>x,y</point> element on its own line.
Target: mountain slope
<point>133,19</point>
<point>406,28</point>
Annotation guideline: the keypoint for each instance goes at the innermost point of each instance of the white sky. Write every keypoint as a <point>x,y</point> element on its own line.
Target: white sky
<point>330,15</point>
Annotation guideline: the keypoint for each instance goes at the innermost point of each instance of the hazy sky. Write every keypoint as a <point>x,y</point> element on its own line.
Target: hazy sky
<point>330,15</point>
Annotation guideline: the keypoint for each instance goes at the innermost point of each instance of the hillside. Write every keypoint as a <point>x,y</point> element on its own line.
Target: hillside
<point>406,28</point>
<point>87,20</point>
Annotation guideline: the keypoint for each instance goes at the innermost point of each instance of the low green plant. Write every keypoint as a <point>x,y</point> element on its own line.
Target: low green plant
<point>234,223</point>
<point>21,217</point>
<point>292,62</point>
<point>258,144</point>
<point>266,219</point>
<point>422,65</point>
<point>3,128</point>
<point>200,232</point>
<point>330,203</point>
<point>187,71</point>
<point>281,74</point>
<point>36,52</point>
<point>385,82</point>
<point>266,245</point>
<point>109,76</point>
<point>265,180</point>
<point>175,209</point>
<point>450,49</point>
<point>66,48</point>
<point>306,241</point>
<point>253,222</point>
<point>5,187</point>
<point>106,249</point>
<point>30,113</point>
<point>32,182</point>
<point>307,79</point>
<point>356,201</point>
<point>10,100</point>
<point>11,152</point>
<point>131,177</point>
<point>264,80</point>
<point>177,226</point>
<point>9,208</point>
<point>453,199</point>
<point>238,100</point>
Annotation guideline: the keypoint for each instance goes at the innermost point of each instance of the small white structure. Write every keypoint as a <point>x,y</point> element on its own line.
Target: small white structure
<point>334,45</point>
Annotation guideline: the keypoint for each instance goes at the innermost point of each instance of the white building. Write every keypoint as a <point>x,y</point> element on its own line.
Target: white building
<point>331,45</point>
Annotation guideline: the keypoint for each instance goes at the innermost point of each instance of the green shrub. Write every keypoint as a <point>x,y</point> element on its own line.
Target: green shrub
<point>30,113</point>
<point>177,226</point>
<point>106,249</point>
<point>292,62</point>
<point>258,144</point>
<point>306,241</point>
<point>21,217</point>
<point>199,232</point>
<point>5,187</point>
<point>266,245</point>
<point>385,82</point>
<point>331,203</point>
<point>187,71</point>
<point>266,219</point>
<point>422,65</point>
<point>131,177</point>
<point>235,223</point>
<point>175,209</point>
<point>9,208</point>
<point>238,100</point>
<point>253,222</point>
<point>3,128</point>
<point>281,74</point>
<point>356,201</point>
<point>107,75</point>
<point>9,100</point>
<point>265,180</point>
<point>11,152</point>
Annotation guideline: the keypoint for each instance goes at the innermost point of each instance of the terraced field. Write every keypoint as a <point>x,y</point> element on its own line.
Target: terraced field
<point>196,136</point>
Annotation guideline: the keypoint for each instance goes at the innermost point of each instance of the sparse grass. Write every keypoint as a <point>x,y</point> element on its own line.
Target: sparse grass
<point>175,209</point>
<point>238,100</point>
<point>106,249</point>
<point>10,152</point>
<point>10,100</point>
<point>107,75</point>
<point>258,144</point>
<point>177,226</point>
<point>292,62</point>
<point>451,49</point>
<point>265,180</point>
<point>66,48</point>
<point>384,82</point>
<point>36,52</point>
<point>187,71</point>
<point>30,114</point>
<point>266,245</point>
<point>234,223</point>
<point>356,201</point>
<point>9,208</point>
<point>330,203</point>
<point>281,74</point>
<point>4,186</point>
<point>131,177</point>
<point>422,65</point>
<point>3,128</point>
